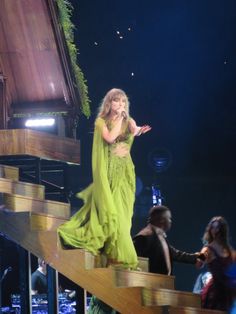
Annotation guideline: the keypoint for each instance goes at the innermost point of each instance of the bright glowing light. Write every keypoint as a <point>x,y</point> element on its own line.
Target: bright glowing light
<point>39,122</point>
<point>117,32</point>
<point>121,37</point>
<point>129,28</point>
<point>132,74</point>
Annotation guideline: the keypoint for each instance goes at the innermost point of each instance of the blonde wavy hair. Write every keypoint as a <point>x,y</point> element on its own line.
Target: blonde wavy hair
<point>105,107</point>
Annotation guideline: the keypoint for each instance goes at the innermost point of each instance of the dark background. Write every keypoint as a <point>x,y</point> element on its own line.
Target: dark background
<point>182,56</point>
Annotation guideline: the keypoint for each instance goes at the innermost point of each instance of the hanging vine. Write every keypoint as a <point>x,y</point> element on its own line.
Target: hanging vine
<point>65,10</point>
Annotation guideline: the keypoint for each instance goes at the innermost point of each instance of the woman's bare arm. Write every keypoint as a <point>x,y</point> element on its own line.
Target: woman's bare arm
<point>138,130</point>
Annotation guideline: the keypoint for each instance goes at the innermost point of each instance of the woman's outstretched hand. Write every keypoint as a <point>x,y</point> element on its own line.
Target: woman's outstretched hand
<point>144,129</point>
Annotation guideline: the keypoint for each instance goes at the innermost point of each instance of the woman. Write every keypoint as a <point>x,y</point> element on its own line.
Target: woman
<point>217,294</point>
<point>103,224</point>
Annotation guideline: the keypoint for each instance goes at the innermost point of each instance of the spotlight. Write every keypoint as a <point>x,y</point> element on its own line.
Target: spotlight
<point>39,122</point>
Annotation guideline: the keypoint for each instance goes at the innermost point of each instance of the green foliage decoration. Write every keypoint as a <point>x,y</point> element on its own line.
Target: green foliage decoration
<point>65,11</point>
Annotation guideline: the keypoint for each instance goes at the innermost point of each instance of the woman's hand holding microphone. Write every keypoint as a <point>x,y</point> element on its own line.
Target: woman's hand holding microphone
<point>122,114</point>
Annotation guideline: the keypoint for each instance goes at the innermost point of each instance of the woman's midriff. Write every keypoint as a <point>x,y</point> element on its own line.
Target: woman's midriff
<point>120,149</point>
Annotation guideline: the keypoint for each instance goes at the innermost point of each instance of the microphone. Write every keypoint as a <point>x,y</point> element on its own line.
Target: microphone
<point>124,114</point>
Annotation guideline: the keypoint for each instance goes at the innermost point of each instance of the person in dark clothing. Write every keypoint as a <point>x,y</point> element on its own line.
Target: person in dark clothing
<point>219,293</point>
<point>151,242</point>
<point>39,278</point>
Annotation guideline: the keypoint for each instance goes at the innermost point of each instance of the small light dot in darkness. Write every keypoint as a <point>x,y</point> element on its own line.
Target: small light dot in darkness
<point>121,37</point>
<point>132,74</point>
<point>95,43</point>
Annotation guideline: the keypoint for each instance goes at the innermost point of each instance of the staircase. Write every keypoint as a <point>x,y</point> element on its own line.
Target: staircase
<point>31,221</point>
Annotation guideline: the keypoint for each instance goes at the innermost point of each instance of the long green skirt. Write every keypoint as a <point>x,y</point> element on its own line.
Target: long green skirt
<point>103,224</point>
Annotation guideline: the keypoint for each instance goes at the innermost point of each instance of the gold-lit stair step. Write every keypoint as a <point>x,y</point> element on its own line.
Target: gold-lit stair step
<point>160,297</point>
<point>22,188</point>
<point>19,203</point>
<point>127,278</point>
<point>100,261</point>
<point>45,222</point>
<point>9,172</point>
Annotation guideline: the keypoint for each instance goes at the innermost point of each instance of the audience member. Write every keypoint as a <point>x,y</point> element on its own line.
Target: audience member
<point>39,278</point>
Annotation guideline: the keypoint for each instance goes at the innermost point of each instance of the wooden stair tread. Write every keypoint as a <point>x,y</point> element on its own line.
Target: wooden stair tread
<point>22,203</point>
<point>159,297</point>
<point>128,278</point>
<point>12,186</point>
<point>34,198</point>
<point>45,222</point>
<point>50,216</point>
<point>9,172</point>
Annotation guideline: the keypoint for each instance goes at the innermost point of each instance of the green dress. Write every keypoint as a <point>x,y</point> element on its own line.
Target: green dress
<point>103,223</point>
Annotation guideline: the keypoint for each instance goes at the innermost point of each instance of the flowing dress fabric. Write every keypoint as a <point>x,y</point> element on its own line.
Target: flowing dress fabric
<point>217,294</point>
<point>104,221</point>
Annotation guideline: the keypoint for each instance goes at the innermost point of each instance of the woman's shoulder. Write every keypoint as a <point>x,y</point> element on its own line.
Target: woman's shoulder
<point>99,121</point>
<point>212,249</point>
<point>218,250</point>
